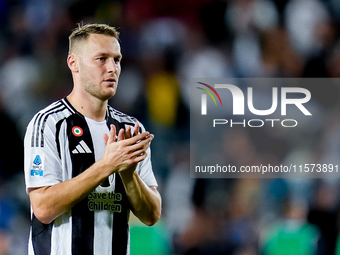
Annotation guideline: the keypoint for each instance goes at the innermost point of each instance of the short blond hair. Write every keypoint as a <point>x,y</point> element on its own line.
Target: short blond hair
<point>82,32</point>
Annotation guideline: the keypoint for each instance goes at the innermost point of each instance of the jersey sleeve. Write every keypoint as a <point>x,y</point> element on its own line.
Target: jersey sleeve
<point>145,171</point>
<point>42,163</point>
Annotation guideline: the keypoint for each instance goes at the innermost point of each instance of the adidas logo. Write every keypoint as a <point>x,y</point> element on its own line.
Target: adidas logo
<point>81,148</point>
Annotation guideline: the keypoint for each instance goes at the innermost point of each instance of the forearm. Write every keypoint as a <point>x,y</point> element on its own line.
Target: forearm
<point>145,200</point>
<point>51,201</point>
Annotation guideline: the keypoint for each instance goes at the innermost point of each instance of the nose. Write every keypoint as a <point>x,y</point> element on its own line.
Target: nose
<point>112,66</point>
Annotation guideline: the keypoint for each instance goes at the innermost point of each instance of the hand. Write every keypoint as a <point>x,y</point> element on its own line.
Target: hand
<point>135,132</point>
<point>129,134</point>
<point>128,150</point>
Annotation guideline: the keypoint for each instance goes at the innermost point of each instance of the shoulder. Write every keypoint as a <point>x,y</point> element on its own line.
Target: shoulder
<point>121,117</point>
<point>46,119</point>
<point>52,113</point>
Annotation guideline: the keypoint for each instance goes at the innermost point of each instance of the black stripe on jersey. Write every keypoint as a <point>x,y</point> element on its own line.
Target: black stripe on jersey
<point>58,126</point>
<point>41,237</point>
<point>114,112</point>
<point>37,120</point>
<point>43,126</point>
<point>82,217</point>
<point>68,105</point>
<point>127,120</point>
<point>32,139</point>
<point>40,121</point>
<point>120,228</point>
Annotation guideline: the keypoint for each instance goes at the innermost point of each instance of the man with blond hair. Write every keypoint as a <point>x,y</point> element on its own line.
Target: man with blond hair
<point>86,164</point>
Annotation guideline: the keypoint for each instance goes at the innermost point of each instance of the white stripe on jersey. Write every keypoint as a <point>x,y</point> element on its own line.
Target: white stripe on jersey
<point>103,220</point>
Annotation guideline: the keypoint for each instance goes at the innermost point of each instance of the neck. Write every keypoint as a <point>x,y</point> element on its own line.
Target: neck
<point>88,106</point>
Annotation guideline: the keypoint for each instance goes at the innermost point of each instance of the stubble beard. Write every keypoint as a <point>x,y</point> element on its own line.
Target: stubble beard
<point>94,90</point>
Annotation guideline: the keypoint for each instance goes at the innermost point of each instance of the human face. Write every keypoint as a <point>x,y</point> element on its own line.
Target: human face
<point>99,66</point>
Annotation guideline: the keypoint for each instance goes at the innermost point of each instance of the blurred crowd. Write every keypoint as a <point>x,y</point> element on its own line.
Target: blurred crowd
<point>164,44</point>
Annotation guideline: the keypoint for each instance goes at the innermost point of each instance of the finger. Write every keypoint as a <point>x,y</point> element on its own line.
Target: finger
<point>138,153</point>
<point>151,137</point>
<point>141,146</point>
<point>106,138</point>
<point>137,138</point>
<point>112,135</point>
<point>140,157</point>
<point>128,132</point>
<point>121,134</point>
<point>136,129</point>
<point>136,157</point>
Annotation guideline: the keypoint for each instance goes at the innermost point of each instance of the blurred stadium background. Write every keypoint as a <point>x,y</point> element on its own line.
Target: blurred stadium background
<point>164,44</point>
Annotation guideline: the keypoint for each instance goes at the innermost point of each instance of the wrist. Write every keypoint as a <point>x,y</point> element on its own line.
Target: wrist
<point>103,169</point>
<point>128,175</point>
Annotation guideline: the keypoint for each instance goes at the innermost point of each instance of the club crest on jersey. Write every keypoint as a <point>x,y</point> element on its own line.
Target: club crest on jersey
<point>77,131</point>
<point>37,166</point>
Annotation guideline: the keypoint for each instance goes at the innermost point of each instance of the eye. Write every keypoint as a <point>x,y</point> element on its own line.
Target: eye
<point>101,59</point>
<point>117,60</point>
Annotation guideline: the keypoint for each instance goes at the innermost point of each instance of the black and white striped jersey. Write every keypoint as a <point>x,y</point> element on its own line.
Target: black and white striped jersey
<point>60,143</point>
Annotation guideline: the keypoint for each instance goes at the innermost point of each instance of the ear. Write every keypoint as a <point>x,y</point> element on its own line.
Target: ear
<point>72,63</point>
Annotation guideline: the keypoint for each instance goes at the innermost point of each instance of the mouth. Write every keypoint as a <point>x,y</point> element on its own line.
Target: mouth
<point>110,80</point>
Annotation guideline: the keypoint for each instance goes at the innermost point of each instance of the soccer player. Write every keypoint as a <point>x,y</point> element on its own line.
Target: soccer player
<point>86,164</point>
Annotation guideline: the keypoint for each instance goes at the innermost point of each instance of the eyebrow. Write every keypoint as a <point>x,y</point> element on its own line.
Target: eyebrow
<point>107,55</point>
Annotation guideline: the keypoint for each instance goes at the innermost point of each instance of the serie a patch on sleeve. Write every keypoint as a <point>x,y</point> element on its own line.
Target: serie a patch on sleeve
<point>37,165</point>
